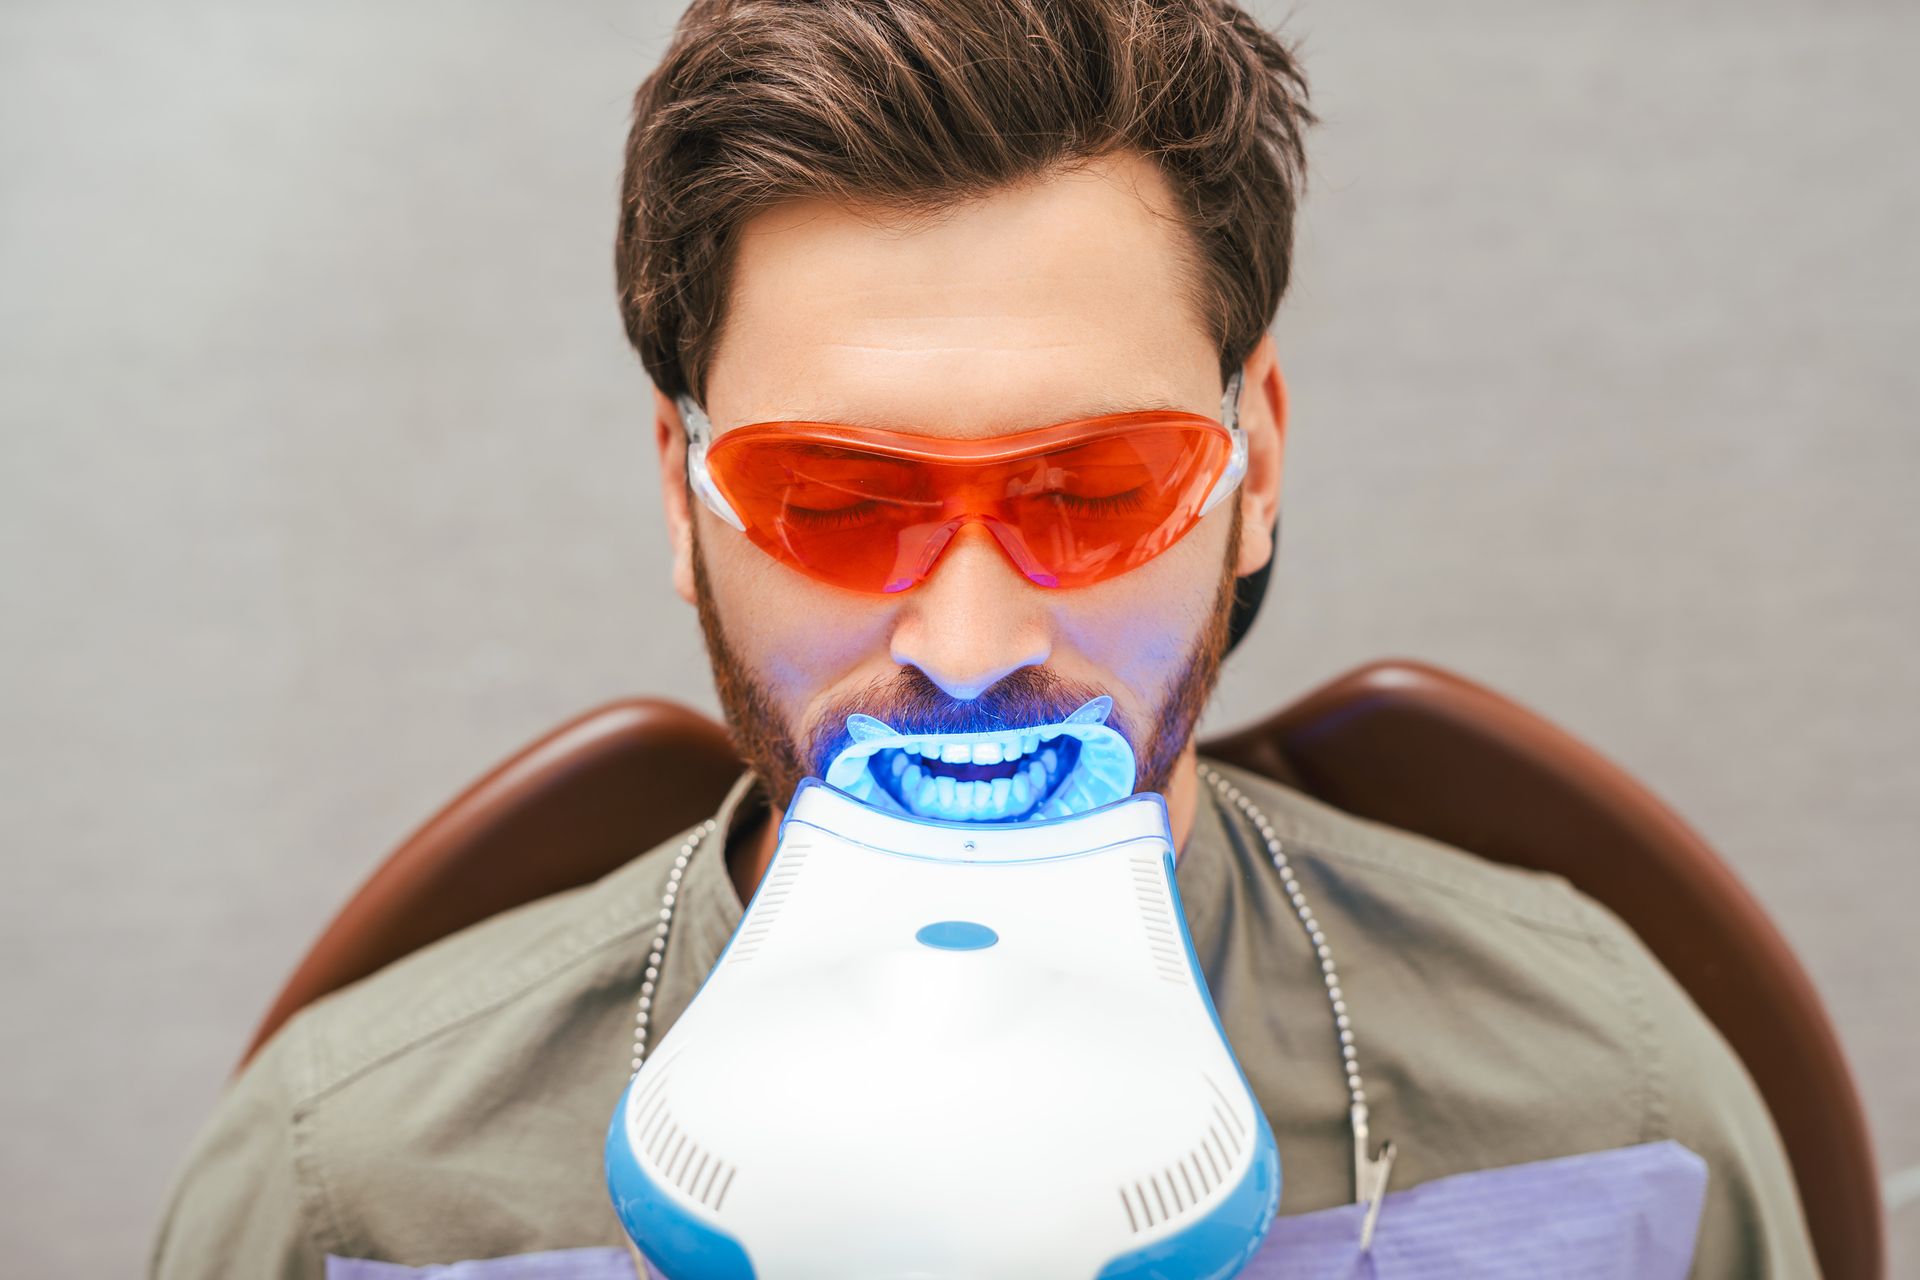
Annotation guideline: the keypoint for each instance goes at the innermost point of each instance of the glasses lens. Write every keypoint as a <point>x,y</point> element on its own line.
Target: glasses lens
<point>866,521</point>
<point>1079,514</point>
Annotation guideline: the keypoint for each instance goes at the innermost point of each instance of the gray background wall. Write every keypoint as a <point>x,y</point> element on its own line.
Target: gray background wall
<point>324,478</point>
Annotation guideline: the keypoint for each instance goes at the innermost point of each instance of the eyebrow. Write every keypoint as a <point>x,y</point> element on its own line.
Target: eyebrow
<point>1101,408</point>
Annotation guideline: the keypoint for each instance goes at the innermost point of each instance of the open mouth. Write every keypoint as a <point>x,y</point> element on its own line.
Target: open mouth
<point>997,780</point>
<point>1008,775</point>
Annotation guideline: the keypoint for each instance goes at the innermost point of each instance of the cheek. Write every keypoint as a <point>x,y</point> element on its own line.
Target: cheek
<point>801,639</point>
<point>1138,629</point>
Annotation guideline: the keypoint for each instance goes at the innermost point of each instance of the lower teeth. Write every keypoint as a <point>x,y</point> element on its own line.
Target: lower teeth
<point>933,795</point>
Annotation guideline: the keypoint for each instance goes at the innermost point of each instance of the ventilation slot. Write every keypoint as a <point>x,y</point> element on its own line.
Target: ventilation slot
<point>772,896</point>
<point>671,1154</point>
<point>1163,935</point>
<point>1190,1181</point>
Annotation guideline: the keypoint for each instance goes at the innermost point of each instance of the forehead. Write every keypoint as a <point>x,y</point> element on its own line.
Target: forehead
<point>1064,297</point>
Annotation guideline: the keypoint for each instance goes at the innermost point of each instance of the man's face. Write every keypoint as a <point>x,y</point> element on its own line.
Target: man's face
<point>1060,300</point>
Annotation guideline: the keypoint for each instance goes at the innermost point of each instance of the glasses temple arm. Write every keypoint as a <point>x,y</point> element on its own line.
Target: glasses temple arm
<point>699,436</point>
<point>1237,459</point>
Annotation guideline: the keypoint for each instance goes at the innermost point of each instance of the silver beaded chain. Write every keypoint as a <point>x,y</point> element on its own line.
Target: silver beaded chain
<point>1370,1172</point>
<point>659,951</point>
<point>1349,1059</point>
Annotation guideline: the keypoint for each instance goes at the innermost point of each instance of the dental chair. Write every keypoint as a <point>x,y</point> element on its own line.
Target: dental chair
<point>1398,742</point>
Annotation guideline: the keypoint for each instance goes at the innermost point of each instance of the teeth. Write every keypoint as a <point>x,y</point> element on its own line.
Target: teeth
<point>1035,771</point>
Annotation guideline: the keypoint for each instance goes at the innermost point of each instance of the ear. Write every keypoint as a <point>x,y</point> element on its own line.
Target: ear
<point>1263,415</point>
<point>670,436</point>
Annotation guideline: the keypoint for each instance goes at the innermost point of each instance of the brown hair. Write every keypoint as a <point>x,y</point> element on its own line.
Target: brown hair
<point>921,104</point>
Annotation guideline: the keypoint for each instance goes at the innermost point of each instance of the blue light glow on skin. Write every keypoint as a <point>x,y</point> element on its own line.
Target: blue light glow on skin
<point>1048,301</point>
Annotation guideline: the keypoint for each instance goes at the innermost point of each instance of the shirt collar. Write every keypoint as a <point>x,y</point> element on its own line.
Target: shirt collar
<point>1202,873</point>
<point>712,904</point>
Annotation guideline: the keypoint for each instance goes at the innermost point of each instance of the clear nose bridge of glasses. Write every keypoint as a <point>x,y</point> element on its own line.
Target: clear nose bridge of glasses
<point>700,436</point>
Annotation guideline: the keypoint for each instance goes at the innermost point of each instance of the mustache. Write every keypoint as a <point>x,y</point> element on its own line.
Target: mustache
<point>914,705</point>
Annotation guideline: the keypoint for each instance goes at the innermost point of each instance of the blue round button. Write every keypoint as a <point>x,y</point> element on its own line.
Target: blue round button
<point>957,935</point>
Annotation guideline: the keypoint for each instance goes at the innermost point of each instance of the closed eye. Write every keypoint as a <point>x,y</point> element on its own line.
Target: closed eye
<point>843,517</point>
<point>1103,505</point>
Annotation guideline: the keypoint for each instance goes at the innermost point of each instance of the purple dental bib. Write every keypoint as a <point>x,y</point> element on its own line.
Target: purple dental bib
<point>1627,1214</point>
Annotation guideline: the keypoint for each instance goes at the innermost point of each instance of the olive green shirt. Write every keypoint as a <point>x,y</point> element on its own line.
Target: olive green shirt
<point>454,1105</point>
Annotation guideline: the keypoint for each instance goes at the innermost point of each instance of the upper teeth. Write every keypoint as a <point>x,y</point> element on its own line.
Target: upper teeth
<point>996,751</point>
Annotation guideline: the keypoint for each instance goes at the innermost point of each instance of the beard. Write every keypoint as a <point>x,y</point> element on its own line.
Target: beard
<point>911,703</point>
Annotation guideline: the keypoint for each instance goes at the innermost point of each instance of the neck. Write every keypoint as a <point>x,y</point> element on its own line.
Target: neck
<point>750,853</point>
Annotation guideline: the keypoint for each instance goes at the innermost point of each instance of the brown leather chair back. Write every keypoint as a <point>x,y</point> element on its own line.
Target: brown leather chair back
<point>595,793</point>
<point>1398,742</point>
<point>1418,748</point>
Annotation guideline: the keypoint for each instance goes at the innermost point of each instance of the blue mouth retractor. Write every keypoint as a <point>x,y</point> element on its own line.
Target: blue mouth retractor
<point>1081,762</point>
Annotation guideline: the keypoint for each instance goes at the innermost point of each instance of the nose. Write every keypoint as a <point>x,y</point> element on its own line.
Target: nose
<point>974,620</point>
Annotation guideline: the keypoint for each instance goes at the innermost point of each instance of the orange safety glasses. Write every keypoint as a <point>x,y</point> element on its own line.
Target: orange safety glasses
<point>871,510</point>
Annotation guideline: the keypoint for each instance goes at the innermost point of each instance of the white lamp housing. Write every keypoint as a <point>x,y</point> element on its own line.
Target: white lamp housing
<point>950,1051</point>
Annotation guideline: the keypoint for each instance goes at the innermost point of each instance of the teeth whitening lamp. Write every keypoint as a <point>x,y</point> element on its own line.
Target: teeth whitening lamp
<point>959,1034</point>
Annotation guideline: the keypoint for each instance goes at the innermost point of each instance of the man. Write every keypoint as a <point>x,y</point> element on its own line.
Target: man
<point>946,221</point>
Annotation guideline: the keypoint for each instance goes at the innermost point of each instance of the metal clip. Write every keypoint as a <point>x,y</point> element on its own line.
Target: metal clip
<point>1370,1174</point>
